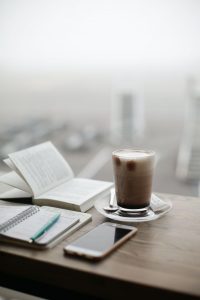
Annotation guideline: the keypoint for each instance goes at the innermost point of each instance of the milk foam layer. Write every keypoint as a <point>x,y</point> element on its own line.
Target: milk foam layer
<point>140,161</point>
<point>132,154</point>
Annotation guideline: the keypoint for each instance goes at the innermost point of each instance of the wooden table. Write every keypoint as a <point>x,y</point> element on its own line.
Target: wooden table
<point>162,260</point>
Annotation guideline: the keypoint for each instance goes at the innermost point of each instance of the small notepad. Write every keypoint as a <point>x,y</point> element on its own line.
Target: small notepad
<point>20,223</point>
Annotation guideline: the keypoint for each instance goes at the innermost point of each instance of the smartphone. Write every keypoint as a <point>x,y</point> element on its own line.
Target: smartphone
<point>100,241</point>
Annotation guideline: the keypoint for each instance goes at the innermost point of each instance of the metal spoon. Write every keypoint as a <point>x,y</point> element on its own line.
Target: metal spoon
<point>111,207</point>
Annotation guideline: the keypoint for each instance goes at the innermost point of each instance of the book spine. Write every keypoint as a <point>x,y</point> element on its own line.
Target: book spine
<point>18,218</point>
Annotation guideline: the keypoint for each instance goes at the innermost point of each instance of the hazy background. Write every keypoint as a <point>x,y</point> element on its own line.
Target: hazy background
<point>64,60</point>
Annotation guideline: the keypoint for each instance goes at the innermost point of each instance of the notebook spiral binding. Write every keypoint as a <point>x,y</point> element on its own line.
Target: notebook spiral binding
<point>19,218</point>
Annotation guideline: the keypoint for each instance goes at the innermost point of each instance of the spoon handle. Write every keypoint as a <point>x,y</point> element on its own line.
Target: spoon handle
<point>112,197</point>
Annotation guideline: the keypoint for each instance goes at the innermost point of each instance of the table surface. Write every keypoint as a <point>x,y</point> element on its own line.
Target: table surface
<point>162,259</point>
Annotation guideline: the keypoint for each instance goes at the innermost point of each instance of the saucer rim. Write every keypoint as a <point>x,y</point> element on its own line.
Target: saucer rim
<point>154,216</point>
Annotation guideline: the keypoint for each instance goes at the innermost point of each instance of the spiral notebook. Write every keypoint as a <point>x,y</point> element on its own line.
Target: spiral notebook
<point>18,223</point>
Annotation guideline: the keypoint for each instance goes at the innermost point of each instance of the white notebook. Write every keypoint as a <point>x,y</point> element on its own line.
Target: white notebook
<point>18,223</point>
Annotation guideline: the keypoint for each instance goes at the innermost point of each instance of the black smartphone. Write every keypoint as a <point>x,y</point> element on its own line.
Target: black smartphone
<point>100,241</point>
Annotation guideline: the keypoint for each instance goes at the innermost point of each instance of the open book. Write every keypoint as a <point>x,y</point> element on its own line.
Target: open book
<point>19,223</point>
<point>41,172</point>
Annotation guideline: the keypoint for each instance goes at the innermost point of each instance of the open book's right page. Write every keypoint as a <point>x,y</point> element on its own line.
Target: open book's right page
<point>42,166</point>
<point>77,192</point>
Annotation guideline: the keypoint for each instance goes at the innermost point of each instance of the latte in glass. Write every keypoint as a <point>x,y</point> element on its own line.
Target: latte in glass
<point>133,175</point>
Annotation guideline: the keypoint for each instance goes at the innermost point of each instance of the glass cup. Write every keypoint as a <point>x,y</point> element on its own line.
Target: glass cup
<point>133,176</point>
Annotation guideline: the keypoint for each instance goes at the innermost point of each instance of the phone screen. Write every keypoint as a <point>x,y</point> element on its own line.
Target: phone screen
<point>101,239</point>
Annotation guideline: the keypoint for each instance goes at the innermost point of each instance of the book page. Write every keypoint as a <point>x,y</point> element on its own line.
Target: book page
<point>10,164</point>
<point>42,166</point>
<point>15,194</point>
<point>76,191</point>
<point>13,179</point>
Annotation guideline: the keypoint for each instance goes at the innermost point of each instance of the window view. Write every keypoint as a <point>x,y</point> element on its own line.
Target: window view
<point>92,76</point>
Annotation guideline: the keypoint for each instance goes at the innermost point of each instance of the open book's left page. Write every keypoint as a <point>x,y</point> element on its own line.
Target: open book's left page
<point>16,181</point>
<point>42,167</point>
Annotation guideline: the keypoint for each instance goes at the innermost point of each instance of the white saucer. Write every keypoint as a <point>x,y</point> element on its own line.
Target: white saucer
<point>149,216</point>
